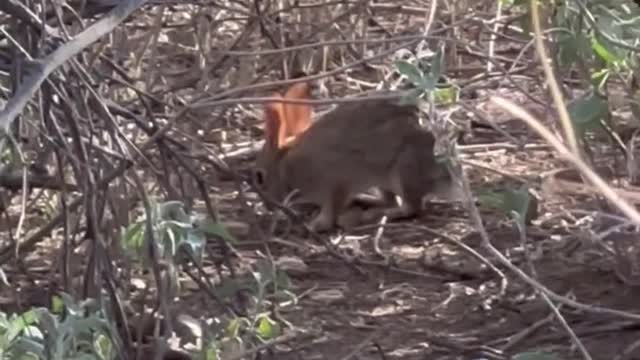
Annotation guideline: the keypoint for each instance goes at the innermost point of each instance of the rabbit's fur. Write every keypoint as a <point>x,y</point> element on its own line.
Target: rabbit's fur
<point>354,148</point>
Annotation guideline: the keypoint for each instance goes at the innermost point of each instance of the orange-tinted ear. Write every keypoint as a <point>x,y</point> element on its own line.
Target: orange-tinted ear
<point>297,116</point>
<point>275,124</point>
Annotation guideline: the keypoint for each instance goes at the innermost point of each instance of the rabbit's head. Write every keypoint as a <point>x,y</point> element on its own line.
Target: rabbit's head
<point>284,123</point>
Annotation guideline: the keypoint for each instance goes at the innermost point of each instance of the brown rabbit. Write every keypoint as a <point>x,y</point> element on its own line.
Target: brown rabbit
<point>354,148</point>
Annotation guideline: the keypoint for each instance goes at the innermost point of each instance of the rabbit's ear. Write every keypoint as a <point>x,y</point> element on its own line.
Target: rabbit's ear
<point>275,125</point>
<point>297,116</point>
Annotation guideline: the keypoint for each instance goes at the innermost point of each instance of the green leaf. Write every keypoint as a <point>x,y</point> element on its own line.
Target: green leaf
<point>606,51</point>
<point>133,237</point>
<point>610,28</point>
<point>4,323</point>
<point>411,71</point>
<point>509,201</point>
<point>57,304</point>
<point>446,96</point>
<point>587,112</point>
<point>212,353</point>
<point>20,323</point>
<point>26,348</point>
<point>267,329</point>
<point>429,82</point>
<point>103,346</point>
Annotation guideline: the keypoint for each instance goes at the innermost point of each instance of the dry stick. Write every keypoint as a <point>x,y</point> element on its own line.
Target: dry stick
<point>546,134</point>
<point>565,120</point>
<point>360,346</point>
<point>44,67</point>
<point>431,15</point>
<point>513,340</point>
<point>556,312</point>
<point>492,40</point>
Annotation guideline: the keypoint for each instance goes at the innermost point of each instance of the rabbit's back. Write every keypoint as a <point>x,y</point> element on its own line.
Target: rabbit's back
<point>358,146</point>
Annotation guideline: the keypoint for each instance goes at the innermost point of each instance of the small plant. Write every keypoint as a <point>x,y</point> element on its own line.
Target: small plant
<point>424,77</point>
<point>65,333</point>
<point>174,230</point>
<point>267,287</point>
